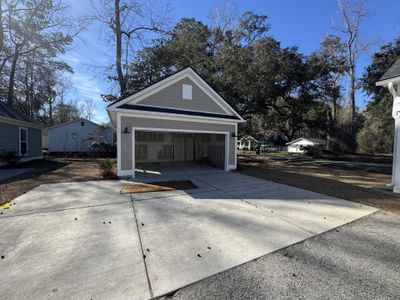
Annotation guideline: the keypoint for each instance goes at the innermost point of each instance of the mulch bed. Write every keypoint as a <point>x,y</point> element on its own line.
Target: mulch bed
<point>159,186</point>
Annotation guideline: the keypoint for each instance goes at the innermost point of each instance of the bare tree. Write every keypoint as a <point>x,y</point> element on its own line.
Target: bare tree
<point>128,23</point>
<point>352,14</point>
<point>88,109</point>
<point>224,16</point>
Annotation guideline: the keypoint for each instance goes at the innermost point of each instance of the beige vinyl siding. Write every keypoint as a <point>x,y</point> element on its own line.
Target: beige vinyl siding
<point>171,97</point>
<point>126,139</point>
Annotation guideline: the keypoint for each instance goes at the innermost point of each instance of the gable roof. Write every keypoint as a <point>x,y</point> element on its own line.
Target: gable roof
<point>9,112</point>
<point>133,99</point>
<point>312,140</point>
<point>392,73</point>
<point>72,121</point>
<point>248,137</point>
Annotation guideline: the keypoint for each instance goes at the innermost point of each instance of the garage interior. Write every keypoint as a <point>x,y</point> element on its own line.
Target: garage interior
<point>153,147</point>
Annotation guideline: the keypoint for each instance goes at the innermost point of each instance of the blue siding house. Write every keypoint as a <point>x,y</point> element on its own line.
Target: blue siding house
<point>20,134</point>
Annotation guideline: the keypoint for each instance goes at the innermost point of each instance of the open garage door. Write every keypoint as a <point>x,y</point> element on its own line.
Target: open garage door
<point>168,146</point>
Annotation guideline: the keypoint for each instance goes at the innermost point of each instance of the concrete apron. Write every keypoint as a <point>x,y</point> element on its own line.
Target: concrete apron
<point>231,219</point>
<point>59,243</point>
<point>71,241</point>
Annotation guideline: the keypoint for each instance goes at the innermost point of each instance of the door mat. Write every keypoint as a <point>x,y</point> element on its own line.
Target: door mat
<point>146,187</point>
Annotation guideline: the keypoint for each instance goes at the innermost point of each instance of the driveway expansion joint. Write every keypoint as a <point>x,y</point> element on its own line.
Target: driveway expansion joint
<point>142,249</point>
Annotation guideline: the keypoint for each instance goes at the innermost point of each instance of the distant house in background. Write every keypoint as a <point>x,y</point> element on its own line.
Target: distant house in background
<point>76,136</point>
<point>247,143</point>
<point>20,134</point>
<point>299,145</point>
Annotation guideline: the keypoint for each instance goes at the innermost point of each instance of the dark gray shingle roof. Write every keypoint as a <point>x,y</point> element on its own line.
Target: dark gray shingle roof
<point>10,112</point>
<point>392,72</point>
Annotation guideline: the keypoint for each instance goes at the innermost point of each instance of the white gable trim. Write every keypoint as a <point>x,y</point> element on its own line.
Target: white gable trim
<point>387,81</point>
<point>188,72</point>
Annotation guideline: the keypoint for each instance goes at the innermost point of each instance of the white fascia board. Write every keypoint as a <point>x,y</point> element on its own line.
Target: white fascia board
<point>216,97</point>
<point>387,81</point>
<point>170,116</point>
<point>151,89</point>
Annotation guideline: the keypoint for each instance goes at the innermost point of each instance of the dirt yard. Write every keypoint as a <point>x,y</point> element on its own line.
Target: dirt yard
<point>362,186</point>
<point>49,171</point>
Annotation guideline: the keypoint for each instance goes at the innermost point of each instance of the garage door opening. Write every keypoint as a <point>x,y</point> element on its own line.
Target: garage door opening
<point>169,148</point>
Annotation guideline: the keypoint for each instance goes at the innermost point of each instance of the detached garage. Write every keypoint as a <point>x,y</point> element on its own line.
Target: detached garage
<point>179,119</point>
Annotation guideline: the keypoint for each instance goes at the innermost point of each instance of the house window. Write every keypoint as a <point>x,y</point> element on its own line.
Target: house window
<point>187,91</point>
<point>82,123</point>
<point>74,135</point>
<point>23,141</point>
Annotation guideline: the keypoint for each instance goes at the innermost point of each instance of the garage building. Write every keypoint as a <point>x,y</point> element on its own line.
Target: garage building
<point>179,119</point>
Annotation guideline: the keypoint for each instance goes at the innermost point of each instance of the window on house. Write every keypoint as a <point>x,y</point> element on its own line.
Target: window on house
<point>74,135</point>
<point>23,141</point>
<point>187,91</point>
<point>82,123</point>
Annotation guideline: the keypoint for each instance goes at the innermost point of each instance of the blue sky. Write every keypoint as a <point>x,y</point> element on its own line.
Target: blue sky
<point>300,23</point>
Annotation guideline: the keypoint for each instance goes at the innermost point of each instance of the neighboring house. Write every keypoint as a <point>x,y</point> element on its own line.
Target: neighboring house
<point>76,136</point>
<point>247,143</point>
<point>300,144</point>
<point>19,133</point>
<point>180,118</point>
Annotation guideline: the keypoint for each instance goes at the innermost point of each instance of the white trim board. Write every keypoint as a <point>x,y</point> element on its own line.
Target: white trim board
<point>175,117</point>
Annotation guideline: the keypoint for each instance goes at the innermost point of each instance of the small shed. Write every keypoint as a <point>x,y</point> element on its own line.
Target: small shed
<point>299,145</point>
<point>76,136</point>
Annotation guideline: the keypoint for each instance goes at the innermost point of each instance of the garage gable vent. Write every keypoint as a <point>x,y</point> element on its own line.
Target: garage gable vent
<point>186,91</point>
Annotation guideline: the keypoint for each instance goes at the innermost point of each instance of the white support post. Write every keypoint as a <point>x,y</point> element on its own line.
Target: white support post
<point>394,90</point>
<point>133,154</point>
<point>226,168</point>
<point>119,151</point>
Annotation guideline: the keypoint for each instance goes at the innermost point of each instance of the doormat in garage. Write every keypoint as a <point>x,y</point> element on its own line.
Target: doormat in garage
<point>146,187</point>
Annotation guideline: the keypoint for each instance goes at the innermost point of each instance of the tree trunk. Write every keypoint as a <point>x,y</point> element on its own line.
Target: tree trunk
<point>118,36</point>
<point>10,96</point>
<point>1,27</point>
<point>352,93</point>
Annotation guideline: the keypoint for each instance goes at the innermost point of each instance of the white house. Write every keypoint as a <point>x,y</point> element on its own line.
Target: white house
<point>178,119</point>
<point>300,144</point>
<point>247,143</point>
<point>76,136</point>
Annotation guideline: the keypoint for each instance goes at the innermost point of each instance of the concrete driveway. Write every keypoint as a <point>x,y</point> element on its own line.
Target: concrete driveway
<point>87,241</point>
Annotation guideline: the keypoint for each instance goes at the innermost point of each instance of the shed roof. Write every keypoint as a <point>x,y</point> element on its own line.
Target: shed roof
<point>312,140</point>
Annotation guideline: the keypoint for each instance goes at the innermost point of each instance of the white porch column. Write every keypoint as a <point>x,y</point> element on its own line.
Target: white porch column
<point>394,90</point>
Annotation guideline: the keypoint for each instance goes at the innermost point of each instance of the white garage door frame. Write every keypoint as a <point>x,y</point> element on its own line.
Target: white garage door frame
<point>134,129</point>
